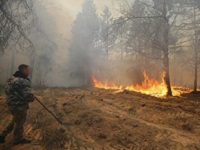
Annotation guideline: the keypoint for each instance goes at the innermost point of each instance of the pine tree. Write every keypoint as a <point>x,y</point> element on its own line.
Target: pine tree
<point>106,22</point>
<point>84,31</point>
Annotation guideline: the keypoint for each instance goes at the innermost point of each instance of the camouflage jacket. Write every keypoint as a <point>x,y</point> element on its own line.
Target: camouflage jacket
<point>18,91</point>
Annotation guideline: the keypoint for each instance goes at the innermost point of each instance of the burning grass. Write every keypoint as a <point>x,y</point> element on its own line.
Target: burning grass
<point>149,86</point>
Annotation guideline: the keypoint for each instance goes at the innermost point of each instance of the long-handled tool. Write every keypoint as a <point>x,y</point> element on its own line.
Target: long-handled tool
<point>59,121</point>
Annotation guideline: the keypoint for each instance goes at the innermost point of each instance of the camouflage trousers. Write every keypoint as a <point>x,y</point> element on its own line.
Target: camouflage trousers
<point>19,114</point>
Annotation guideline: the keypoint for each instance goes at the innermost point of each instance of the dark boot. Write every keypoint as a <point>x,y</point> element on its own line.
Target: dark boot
<point>22,141</point>
<point>6,132</point>
<point>2,139</point>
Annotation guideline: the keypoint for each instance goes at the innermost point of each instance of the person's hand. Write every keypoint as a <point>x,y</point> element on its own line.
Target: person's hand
<point>32,98</point>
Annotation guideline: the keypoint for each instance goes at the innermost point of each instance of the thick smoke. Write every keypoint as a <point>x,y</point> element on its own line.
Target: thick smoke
<point>77,40</point>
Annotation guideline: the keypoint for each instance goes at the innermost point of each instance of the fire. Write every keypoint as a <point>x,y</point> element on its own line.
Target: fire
<point>149,86</point>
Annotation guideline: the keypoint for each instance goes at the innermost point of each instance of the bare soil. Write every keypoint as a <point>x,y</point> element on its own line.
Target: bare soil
<point>108,120</point>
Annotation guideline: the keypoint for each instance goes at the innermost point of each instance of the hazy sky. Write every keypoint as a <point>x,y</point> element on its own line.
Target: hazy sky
<point>74,6</point>
<point>64,12</point>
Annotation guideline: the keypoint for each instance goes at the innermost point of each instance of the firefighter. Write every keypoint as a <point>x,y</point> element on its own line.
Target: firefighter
<point>18,96</point>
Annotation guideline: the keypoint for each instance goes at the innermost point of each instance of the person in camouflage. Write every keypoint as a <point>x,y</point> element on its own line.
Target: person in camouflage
<point>18,96</point>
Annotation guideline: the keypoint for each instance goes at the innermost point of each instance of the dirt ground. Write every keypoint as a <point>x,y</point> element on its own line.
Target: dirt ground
<point>109,120</point>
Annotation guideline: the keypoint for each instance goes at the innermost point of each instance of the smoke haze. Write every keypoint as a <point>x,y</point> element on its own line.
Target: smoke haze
<point>62,53</point>
<point>55,20</point>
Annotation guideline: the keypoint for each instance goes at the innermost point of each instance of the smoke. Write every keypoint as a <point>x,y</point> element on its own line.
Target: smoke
<point>64,57</point>
<point>51,36</point>
<point>53,28</point>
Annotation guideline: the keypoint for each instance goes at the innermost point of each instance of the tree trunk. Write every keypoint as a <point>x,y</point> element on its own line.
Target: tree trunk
<point>195,76</point>
<point>32,65</point>
<point>166,49</point>
<point>167,75</point>
<point>195,62</point>
<point>106,44</point>
<point>12,60</point>
<point>195,53</point>
<point>106,49</point>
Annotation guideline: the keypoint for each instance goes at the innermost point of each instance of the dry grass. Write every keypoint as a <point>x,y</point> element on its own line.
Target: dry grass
<point>107,120</point>
<point>53,135</point>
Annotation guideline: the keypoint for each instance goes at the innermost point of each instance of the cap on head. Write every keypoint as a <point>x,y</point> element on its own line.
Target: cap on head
<point>22,67</point>
<point>25,69</point>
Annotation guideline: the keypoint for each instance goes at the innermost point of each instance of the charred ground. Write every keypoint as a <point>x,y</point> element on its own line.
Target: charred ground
<point>106,119</point>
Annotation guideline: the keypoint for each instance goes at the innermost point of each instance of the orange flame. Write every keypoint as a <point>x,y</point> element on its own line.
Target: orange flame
<point>149,86</point>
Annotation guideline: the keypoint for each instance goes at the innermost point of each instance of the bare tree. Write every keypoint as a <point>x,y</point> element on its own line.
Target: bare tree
<point>155,26</point>
<point>16,21</point>
<point>191,28</point>
<point>107,34</point>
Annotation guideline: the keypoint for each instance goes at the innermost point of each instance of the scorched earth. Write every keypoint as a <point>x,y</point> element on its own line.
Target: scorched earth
<point>109,120</point>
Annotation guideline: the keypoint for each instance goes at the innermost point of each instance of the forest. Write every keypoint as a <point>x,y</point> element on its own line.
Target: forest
<point>124,73</point>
